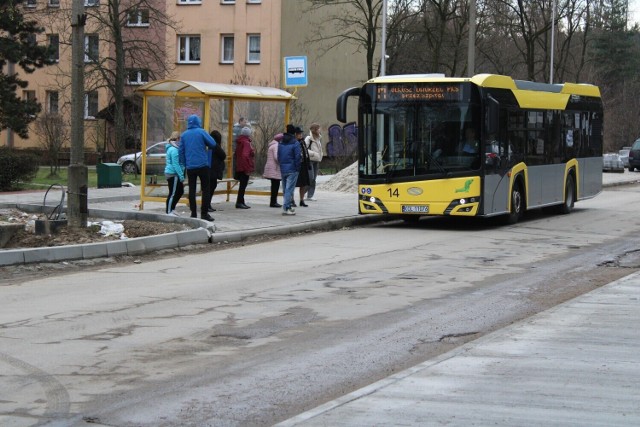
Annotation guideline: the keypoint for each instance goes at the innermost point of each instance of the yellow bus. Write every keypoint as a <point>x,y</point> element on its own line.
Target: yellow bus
<point>487,145</point>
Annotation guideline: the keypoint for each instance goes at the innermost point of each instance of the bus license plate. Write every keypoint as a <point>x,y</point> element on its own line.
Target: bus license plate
<point>415,208</point>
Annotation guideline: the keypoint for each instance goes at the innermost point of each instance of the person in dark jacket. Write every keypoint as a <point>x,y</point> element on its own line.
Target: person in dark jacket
<point>290,158</point>
<point>193,153</point>
<point>216,164</point>
<point>303,181</point>
<point>244,164</point>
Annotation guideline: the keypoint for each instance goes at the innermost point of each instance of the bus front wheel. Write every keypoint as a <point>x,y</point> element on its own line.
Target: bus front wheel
<point>569,196</point>
<point>517,204</point>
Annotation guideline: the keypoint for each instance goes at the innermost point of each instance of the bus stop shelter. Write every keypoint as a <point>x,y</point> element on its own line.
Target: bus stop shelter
<point>166,106</point>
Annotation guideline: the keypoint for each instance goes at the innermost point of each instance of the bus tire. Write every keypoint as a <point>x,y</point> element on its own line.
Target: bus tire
<point>517,204</point>
<point>569,196</point>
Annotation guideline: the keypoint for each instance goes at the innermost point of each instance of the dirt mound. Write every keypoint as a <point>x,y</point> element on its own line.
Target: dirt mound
<point>345,181</point>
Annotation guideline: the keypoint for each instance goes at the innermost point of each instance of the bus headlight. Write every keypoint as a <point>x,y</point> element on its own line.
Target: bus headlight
<point>372,199</point>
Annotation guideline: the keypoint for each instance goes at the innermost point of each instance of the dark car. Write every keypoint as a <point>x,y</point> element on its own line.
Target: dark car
<point>634,156</point>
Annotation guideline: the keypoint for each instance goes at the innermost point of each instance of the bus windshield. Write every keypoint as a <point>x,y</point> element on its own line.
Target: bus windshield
<point>405,139</point>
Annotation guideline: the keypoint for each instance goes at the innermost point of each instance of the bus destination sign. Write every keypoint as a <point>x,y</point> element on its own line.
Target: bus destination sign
<point>419,92</point>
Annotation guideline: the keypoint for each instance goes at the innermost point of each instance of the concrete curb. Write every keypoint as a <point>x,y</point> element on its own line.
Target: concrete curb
<point>203,232</point>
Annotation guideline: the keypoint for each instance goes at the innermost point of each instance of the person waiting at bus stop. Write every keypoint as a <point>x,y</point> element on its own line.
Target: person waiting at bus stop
<point>290,159</point>
<point>193,153</point>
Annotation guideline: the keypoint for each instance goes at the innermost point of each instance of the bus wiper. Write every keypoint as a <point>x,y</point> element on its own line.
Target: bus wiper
<point>432,161</point>
<point>391,170</point>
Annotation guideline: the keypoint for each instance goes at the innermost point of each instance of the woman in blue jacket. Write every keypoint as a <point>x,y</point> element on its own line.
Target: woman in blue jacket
<point>174,172</point>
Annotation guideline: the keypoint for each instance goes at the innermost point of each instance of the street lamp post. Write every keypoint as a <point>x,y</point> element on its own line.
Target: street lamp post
<point>553,35</point>
<point>383,59</point>
<point>77,210</point>
<point>471,54</point>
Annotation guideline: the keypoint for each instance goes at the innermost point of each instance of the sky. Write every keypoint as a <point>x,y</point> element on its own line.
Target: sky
<point>634,11</point>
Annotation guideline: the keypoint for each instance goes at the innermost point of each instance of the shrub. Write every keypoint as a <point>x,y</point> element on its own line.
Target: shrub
<point>15,167</point>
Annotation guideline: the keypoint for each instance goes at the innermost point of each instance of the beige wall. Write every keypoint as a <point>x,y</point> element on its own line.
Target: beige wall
<point>211,20</point>
<point>329,74</point>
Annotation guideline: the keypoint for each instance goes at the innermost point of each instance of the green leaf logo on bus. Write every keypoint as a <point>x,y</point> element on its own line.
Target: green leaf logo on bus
<point>465,188</point>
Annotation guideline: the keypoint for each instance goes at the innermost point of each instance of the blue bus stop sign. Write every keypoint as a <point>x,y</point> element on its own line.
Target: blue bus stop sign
<point>295,71</point>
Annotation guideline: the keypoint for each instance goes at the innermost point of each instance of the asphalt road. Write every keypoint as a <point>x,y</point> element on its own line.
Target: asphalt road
<point>256,334</point>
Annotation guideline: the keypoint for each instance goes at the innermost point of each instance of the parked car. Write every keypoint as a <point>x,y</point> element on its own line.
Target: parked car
<point>156,156</point>
<point>634,156</point>
<point>624,156</point>
<point>611,162</point>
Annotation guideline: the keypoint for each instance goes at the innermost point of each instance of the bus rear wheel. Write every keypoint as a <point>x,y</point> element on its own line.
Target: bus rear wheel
<point>569,196</point>
<point>517,204</point>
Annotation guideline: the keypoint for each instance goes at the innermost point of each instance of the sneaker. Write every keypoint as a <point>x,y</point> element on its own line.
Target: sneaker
<point>275,205</point>
<point>294,204</point>
<point>289,212</point>
<point>174,213</point>
<point>208,217</point>
<point>311,199</point>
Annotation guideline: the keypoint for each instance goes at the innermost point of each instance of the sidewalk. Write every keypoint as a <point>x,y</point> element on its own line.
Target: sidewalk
<point>332,210</point>
<point>576,364</point>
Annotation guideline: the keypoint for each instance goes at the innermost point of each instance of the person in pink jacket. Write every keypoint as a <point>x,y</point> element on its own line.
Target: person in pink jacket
<point>272,170</point>
<point>245,165</point>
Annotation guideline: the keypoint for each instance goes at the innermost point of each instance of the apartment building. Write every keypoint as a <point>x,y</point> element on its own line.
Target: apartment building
<point>224,41</point>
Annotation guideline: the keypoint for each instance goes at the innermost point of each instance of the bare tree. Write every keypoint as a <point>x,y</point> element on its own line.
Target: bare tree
<point>348,23</point>
<point>53,133</point>
<point>135,32</point>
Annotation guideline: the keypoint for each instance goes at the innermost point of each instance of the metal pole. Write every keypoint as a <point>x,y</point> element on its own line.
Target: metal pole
<point>77,211</point>
<point>383,59</point>
<point>553,42</point>
<point>471,58</point>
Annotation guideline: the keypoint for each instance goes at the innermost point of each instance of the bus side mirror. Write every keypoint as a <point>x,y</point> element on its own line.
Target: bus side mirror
<point>493,115</point>
<point>341,105</point>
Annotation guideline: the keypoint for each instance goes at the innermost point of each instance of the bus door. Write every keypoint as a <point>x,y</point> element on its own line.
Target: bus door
<point>498,159</point>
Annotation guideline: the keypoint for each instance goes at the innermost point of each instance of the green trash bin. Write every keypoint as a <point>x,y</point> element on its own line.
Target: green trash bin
<point>109,175</point>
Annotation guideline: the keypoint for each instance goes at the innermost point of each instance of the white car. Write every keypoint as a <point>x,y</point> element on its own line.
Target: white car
<point>624,155</point>
<point>156,157</point>
<point>612,162</point>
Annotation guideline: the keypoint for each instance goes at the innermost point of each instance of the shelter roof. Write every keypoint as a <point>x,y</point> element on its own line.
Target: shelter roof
<point>218,90</point>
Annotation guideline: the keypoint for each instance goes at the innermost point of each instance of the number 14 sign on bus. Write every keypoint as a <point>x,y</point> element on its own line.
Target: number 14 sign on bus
<point>295,71</point>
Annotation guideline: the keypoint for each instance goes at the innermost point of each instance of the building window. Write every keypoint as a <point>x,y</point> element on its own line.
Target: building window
<point>227,49</point>
<point>138,18</point>
<point>90,105</point>
<point>53,3</point>
<point>54,43</point>
<point>137,77</point>
<point>91,3</point>
<point>253,48</point>
<point>91,51</point>
<point>52,102</point>
<point>29,95</point>
<point>254,1</point>
<point>228,1</point>
<point>189,49</point>
<point>189,1</point>
<point>30,3</point>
